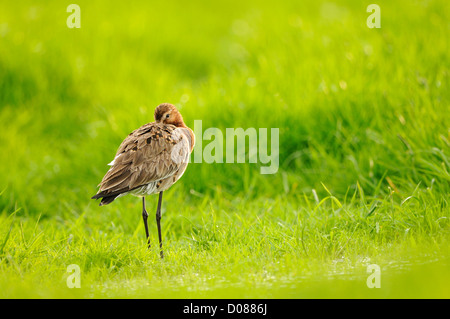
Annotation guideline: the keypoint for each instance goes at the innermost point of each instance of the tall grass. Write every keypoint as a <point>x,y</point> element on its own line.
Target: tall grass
<point>364,143</point>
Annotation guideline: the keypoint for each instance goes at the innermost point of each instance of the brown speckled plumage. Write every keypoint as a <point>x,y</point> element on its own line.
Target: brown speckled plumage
<point>150,159</point>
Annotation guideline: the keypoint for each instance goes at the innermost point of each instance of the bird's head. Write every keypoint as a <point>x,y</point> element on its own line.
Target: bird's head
<point>168,114</point>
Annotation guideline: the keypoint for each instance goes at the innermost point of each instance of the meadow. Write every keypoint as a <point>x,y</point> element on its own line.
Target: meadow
<point>364,138</point>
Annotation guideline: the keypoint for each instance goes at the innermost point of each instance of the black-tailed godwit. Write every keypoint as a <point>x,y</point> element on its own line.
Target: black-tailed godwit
<point>149,161</point>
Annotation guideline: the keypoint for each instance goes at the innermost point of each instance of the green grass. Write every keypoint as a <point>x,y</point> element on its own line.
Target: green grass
<point>364,149</point>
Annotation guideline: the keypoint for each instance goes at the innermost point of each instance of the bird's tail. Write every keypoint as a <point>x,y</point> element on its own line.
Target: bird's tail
<point>105,199</point>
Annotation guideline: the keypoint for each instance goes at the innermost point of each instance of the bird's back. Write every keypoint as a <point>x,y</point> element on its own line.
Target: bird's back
<point>148,157</point>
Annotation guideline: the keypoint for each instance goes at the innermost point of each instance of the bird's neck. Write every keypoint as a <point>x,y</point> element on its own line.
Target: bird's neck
<point>180,124</point>
<point>179,121</point>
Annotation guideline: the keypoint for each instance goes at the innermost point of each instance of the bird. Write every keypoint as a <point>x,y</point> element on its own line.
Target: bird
<point>149,161</point>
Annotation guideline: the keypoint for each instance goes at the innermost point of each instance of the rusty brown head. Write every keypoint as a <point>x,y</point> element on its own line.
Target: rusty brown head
<point>167,113</point>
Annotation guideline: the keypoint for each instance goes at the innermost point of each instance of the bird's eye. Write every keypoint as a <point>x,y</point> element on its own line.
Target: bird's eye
<point>167,116</point>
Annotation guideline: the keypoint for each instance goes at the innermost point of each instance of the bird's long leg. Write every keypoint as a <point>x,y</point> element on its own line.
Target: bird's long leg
<point>158,223</point>
<point>144,217</point>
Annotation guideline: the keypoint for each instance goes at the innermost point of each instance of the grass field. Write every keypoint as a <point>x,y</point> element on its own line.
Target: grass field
<point>364,128</point>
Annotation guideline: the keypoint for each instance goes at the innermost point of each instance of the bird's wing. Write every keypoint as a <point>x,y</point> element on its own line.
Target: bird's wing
<point>150,153</point>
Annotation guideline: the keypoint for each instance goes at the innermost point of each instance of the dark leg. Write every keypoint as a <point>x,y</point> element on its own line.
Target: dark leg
<point>158,219</point>
<point>145,216</point>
